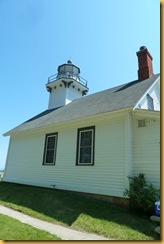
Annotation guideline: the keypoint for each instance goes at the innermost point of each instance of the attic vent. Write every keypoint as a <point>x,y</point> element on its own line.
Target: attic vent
<point>142,123</point>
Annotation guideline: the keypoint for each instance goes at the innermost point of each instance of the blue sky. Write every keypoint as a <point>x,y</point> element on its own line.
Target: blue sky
<point>99,36</point>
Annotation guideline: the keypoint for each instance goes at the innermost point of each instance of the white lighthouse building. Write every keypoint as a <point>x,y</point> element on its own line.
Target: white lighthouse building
<point>66,86</point>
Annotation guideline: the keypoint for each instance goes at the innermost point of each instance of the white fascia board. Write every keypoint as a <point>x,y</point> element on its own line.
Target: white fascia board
<point>146,92</point>
<point>146,113</point>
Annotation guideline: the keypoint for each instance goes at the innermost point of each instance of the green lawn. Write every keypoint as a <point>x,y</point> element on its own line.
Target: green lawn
<point>78,211</point>
<point>11,229</point>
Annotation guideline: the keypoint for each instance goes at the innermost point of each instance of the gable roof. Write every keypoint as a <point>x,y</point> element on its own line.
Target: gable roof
<point>116,98</point>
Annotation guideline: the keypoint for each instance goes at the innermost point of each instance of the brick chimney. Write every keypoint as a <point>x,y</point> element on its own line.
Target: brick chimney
<point>144,63</point>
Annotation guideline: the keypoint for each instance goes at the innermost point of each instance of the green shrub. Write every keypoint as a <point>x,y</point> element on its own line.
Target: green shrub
<point>142,194</point>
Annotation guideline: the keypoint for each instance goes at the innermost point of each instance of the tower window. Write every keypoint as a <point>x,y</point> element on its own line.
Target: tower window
<point>50,149</point>
<point>150,103</point>
<point>85,146</point>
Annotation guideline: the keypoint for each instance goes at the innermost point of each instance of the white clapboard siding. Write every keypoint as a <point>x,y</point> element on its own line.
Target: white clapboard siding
<point>146,150</point>
<point>107,176</point>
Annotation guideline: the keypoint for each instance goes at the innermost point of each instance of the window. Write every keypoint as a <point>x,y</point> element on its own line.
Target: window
<point>85,146</point>
<point>50,149</point>
<point>150,104</point>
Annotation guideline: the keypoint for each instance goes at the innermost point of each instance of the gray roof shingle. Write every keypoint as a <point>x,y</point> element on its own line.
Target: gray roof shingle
<point>116,98</point>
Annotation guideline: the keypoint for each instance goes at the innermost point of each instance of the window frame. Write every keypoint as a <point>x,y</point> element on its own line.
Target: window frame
<point>150,100</point>
<point>45,148</point>
<point>79,132</point>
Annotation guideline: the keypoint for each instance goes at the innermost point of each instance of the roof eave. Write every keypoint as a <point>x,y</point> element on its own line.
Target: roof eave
<point>146,113</point>
<point>12,132</point>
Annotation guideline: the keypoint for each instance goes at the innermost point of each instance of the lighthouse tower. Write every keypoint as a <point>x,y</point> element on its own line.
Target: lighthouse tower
<point>66,85</point>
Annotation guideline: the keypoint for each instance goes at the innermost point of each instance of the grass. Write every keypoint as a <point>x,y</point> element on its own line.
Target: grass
<point>78,211</point>
<point>9,231</point>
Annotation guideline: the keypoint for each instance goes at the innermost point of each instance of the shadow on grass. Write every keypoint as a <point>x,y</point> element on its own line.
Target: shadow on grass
<point>66,207</point>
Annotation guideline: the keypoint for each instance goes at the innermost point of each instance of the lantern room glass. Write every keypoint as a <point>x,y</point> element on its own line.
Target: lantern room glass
<point>69,71</point>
